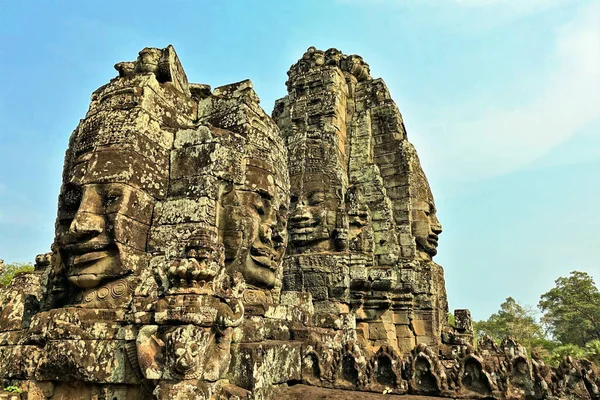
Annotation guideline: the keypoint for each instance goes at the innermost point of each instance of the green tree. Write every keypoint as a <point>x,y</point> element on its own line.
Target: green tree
<point>517,321</point>
<point>451,320</point>
<point>572,309</point>
<point>559,352</point>
<point>10,270</point>
<point>592,349</point>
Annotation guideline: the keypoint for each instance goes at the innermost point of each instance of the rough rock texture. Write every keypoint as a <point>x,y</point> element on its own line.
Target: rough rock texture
<point>362,221</point>
<point>205,250</point>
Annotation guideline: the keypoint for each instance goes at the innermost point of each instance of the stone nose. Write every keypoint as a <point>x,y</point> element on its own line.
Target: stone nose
<point>266,232</point>
<point>300,213</point>
<point>436,227</point>
<point>278,238</point>
<point>88,221</point>
<point>86,224</point>
<point>267,235</point>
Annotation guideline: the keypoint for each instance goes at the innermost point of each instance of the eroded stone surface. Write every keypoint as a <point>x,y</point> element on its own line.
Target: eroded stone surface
<point>205,250</point>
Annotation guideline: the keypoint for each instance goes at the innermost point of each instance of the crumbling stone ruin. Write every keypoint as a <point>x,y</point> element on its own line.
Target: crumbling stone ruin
<point>205,250</point>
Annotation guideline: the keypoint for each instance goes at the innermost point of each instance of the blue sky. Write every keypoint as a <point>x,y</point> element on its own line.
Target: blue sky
<point>500,97</point>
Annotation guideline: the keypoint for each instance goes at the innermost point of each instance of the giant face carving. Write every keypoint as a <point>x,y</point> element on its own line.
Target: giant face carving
<point>101,229</point>
<point>254,228</point>
<point>426,227</point>
<point>314,208</point>
<point>148,59</point>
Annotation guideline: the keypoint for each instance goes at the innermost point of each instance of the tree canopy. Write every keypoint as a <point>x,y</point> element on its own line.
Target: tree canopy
<point>516,320</point>
<point>10,270</point>
<point>572,309</point>
<point>570,316</point>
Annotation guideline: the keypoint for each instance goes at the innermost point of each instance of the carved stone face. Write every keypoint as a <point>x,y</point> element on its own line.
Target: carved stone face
<point>186,358</point>
<point>148,60</point>
<point>313,213</point>
<point>187,347</point>
<point>426,227</point>
<point>254,234</point>
<point>100,230</point>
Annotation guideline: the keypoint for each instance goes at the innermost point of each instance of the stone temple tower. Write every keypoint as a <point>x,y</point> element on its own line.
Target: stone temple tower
<point>362,221</point>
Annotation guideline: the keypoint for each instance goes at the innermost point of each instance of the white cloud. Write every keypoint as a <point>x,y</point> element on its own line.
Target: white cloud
<point>499,140</point>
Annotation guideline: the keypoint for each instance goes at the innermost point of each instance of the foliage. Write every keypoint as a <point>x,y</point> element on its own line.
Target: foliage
<point>10,270</point>
<point>13,389</point>
<point>559,352</point>
<point>571,315</point>
<point>592,349</point>
<point>451,320</point>
<point>517,321</point>
<point>572,309</point>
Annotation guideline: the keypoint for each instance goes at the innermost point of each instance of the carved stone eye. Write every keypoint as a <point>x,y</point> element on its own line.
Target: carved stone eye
<point>112,197</point>
<point>259,207</point>
<point>72,198</point>
<point>316,198</point>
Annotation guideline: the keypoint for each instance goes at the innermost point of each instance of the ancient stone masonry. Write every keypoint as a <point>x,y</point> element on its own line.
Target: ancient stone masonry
<point>205,250</point>
<point>362,219</point>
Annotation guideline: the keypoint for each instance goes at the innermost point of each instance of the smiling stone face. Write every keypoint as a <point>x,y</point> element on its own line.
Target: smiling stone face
<point>97,223</point>
<point>426,227</point>
<point>116,168</point>
<point>313,210</point>
<point>102,228</point>
<point>254,234</point>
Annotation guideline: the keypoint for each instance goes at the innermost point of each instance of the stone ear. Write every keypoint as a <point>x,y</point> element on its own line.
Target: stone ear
<point>150,352</point>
